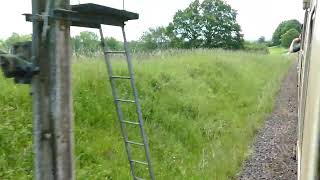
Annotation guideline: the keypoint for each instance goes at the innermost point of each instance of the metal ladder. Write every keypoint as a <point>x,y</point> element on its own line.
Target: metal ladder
<point>118,102</point>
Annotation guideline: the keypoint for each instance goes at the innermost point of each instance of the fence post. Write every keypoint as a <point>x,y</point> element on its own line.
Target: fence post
<point>52,97</point>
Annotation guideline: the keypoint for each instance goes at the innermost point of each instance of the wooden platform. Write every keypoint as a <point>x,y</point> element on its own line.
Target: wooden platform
<point>95,9</point>
<point>90,15</point>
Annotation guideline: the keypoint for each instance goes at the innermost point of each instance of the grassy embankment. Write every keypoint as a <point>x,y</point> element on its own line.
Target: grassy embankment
<point>201,112</point>
<point>278,50</point>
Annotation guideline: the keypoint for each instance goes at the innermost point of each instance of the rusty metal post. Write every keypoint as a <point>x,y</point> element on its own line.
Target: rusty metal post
<point>52,97</point>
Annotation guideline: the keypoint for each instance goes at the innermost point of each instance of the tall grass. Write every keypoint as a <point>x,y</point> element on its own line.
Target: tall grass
<point>278,50</point>
<point>201,111</point>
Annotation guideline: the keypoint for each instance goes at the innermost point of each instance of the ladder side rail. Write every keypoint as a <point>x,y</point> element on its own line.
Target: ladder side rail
<point>115,95</point>
<point>138,106</point>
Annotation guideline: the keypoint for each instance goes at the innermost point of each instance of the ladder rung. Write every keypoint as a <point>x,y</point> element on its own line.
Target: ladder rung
<point>129,122</point>
<point>139,162</point>
<point>121,77</point>
<point>115,52</point>
<point>138,178</point>
<point>125,100</point>
<point>135,143</point>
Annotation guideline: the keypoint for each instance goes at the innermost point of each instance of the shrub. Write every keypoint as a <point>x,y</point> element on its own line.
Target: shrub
<point>283,28</point>
<point>287,37</point>
<point>256,47</point>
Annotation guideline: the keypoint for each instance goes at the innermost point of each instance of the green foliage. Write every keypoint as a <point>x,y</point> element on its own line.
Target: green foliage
<point>2,45</point>
<point>88,44</point>
<point>261,40</point>
<point>287,37</point>
<point>15,131</point>
<point>155,38</point>
<point>187,25</point>
<point>14,38</point>
<point>269,43</point>
<point>283,28</point>
<point>114,44</point>
<point>278,50</point>
<point>201,110</point>
<point>210,24</point>
<point>256,47</point>
<point>136,46</point>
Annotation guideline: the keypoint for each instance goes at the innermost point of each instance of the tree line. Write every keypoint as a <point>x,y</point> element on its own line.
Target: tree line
<point>85,44</point>
<point>286,32</point>
<point>206,24</point>
<point>210,24</point>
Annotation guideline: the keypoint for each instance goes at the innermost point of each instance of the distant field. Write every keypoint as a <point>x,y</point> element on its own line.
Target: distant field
<point>277,50</point>
<point>201,110</point>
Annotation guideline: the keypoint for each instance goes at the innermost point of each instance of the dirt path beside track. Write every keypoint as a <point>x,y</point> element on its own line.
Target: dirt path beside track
<point>274,149</point>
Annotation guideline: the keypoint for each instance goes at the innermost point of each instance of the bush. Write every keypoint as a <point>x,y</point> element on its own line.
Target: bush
<point>201,108</point>
<point>256,47</point>
<point>284,27</point>
<point>287,37</point>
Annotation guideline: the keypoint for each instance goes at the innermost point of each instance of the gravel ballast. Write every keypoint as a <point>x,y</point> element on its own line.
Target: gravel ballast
<point>274,150</point>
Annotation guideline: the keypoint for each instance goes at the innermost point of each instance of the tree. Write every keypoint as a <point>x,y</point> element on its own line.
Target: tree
<point>174,40</point>
<point>114,44</point>
<point>136,46</point>
<point>256,47</point>
<point>221,29</point>
<point>14,38</point>
<point>210,24</point>
<point>76,45</point>
<point>261,40</point>
<point>2,45</point>
<point>86,43</point>
<point>287,37</point>
<point>283,28</point>
<point>155,38</point>
<point>188,25</point>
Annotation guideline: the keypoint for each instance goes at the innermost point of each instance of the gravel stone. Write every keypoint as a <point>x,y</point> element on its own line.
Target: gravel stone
<point>274,150</point>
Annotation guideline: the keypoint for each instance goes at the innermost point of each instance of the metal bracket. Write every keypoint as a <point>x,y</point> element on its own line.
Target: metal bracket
<point>19,64</point>
<point>46,15</point>
<point>306,4</point>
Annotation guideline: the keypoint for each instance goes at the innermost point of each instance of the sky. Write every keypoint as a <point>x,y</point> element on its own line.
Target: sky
<point>256,17</point>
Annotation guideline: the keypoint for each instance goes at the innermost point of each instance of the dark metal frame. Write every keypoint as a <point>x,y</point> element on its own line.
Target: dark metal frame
<point>88,15</point>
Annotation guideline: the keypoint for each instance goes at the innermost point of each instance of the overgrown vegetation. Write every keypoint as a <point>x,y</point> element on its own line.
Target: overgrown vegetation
<point>206,24</point>
<point>85,44</point>
<point>256,47</point>
<point>278,50</point>
<point>201,108</point>
<point>88,44</point>
<point>281,37</point>
<point>14,38</point>
<point>286,38</point>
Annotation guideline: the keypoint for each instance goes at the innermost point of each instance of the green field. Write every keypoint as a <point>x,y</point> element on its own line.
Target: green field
<point>201,108</point>
<point>278,50</point>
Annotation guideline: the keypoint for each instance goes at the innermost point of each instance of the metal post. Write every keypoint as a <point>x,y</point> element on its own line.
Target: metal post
<point>44,167</point>
<point>61,106</point>
<point>52,97</point>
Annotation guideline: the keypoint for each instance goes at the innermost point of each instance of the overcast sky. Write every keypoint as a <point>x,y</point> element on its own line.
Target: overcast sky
<point>256,17</point>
